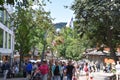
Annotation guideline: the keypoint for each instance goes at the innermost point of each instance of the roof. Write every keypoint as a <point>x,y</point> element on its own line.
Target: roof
<point>95,52</point>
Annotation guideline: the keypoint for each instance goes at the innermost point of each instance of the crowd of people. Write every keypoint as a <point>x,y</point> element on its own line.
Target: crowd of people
<point>52,70</point>
<point>8,70</point>
<point>56,69</point>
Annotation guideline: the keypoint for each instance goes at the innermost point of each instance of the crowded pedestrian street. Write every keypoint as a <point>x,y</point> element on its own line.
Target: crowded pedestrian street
<point>81,77</point>
<point>59,39</point>
<point>48,71</point>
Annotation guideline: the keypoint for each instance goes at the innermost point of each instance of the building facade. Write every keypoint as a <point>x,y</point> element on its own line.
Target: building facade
<point>6,33</point>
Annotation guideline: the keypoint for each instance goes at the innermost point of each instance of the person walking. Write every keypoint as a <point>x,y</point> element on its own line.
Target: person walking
<point>6,68</point>
<point>56,70</point>
<point>117,67</point>
<point>86,69</point>
<point>29,70</point>
<point>50,75</point>
<point>64,71</point>
<point>98,66</point>
<point>44,70</point>
<point>24,70</point>
<point>70,70</point>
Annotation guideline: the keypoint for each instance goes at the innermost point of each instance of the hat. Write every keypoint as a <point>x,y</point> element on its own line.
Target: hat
<point>44,60</point>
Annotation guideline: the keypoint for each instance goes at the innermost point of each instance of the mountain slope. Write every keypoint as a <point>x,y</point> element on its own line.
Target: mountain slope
<point>60,25</point>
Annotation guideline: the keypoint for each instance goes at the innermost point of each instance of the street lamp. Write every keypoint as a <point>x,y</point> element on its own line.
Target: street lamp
<point>58,30</point>
<point>44,44</point>
<point>12,44</point>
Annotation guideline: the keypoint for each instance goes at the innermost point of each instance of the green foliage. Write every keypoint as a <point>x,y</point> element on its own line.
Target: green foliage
<point>7,1</point>
<point>10,2</point>
<point>1,2</point>
<point>72,46</point>
<point>99,21</point>
<point>31,27</point>
<point>23,21</point>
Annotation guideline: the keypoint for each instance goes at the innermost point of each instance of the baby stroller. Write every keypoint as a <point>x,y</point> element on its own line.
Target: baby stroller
<point>36,76</point>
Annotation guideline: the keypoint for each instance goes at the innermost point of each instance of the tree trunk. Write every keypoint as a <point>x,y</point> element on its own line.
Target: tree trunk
<point>112,45</point>
<point>21,59</point>
<point>33,52</point>
<point>113,54</point>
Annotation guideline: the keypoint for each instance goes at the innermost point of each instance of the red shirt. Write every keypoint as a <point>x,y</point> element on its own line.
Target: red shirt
<point>44,69</point>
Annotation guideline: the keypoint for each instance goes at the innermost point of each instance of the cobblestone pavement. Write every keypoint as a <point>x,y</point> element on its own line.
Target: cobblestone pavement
<point>14,79</point>
<point>96,76</point>
<point>81,78</point>
<point>99,76</point>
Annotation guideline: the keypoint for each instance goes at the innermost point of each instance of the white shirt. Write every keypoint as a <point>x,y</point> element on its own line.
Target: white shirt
<point>117,68</point>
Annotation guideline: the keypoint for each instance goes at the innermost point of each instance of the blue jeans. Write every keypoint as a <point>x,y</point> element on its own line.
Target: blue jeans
<point>56,77</point>
<point>44,77</point>
<point>69,77</point>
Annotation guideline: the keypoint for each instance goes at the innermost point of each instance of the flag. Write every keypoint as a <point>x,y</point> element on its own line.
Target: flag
<point>70,23</point>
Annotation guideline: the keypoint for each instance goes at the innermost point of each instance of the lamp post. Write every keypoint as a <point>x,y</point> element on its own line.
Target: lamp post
<point>12,43</point>
<point>44,44</point>
<point>43,51</point>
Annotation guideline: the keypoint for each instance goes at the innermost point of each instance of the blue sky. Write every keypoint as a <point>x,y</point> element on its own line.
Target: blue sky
<point>58,11</point>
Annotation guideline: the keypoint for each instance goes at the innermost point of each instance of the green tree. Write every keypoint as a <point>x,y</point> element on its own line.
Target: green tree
<point>44,22</point>
<point>7,1</point>
<point>23,22</point>
<point>99,20</point>
<point>1,2</point>
<point>70,46</point>
<point>31,26</point>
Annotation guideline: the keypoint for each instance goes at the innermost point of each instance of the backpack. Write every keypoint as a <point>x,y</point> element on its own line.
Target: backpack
<point>56,71</point>
<point>86,69</point>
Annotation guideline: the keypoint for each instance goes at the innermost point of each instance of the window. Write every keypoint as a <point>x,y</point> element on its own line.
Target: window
<point>1,38</point>
<point>9,41</point>
<point>1,15</point>
<point>6,34</point>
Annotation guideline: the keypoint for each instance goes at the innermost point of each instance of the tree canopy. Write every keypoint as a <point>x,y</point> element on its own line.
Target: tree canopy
<point>99,20</point>
<point>31,27</point>
<point>69,45</point>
